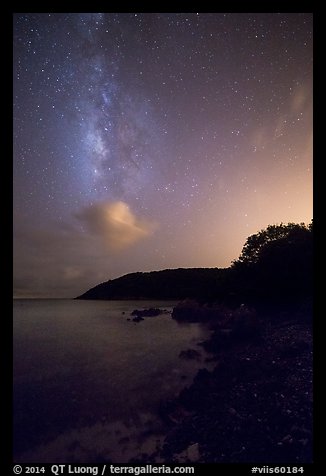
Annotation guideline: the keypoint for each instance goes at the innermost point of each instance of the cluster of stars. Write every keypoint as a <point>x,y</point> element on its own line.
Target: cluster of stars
<point>208,114</point>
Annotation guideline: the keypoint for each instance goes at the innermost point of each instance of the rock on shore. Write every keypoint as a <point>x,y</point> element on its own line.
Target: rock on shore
<point>139,314</point>
<point>255,406</point>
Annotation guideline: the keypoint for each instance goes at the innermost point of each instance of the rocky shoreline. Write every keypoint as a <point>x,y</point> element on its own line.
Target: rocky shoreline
<point>256,405</point>
<point>139,314</point>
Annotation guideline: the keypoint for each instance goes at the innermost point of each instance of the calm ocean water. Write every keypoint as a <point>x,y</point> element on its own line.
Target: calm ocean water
<point>88,382</point>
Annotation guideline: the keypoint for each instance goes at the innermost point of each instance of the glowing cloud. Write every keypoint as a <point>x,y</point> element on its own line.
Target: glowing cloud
<point>115,223</point>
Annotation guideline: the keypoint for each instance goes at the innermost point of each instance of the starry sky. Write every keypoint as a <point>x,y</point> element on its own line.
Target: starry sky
<point>146,141</point>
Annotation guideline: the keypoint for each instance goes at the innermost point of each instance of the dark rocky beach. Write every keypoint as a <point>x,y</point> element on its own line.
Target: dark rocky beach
<point>256,405</point>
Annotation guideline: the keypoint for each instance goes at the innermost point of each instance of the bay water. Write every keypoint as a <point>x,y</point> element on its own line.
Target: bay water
<point>88,380</point>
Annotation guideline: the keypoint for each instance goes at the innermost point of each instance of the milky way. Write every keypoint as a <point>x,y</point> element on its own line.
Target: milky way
<point>148,141</point>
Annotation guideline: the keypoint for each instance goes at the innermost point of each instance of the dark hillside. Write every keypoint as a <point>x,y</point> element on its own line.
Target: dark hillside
<point>166,284</point>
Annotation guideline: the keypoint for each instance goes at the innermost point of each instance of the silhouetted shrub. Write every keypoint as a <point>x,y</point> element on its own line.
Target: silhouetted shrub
<point>276,263</point>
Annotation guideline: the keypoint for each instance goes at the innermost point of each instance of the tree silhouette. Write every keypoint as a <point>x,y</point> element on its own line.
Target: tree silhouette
<point>276,262</point>
<point>257,246</point>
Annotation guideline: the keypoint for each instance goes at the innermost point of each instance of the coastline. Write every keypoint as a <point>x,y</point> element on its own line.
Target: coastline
<point>255,406</point>
<point>253,403</point>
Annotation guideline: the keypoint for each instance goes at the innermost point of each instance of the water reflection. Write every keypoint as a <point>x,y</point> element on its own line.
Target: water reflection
<point>88,382</point>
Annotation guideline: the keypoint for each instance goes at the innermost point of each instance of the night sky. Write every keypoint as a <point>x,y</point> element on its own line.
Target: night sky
<point>145,141</point>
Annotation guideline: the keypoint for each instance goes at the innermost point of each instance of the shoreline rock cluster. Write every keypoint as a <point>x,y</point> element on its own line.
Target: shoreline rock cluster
<point>256,405</point>
<point>140,314</point>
